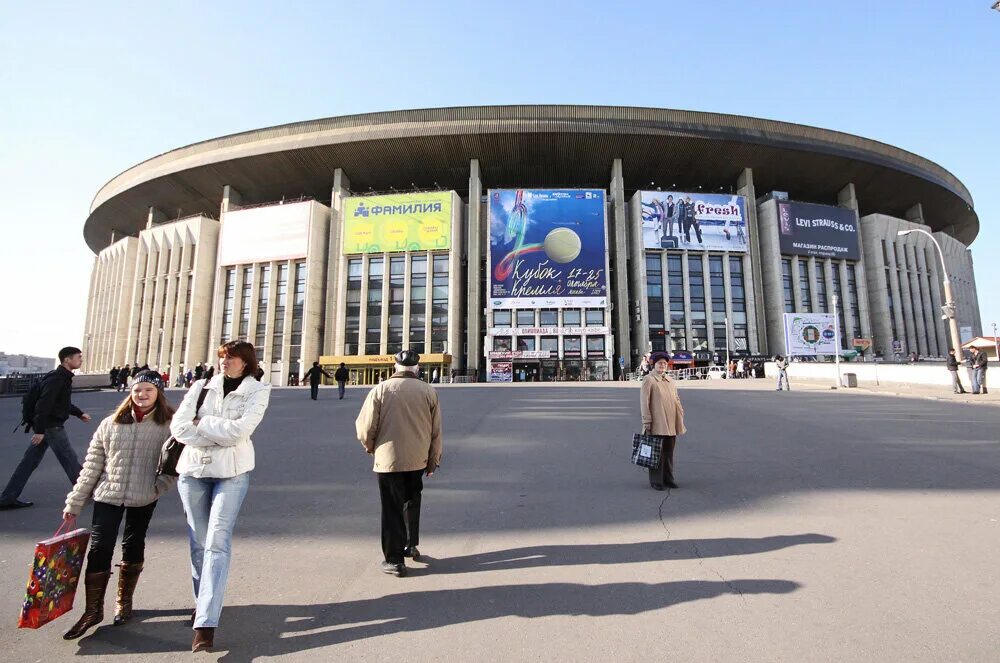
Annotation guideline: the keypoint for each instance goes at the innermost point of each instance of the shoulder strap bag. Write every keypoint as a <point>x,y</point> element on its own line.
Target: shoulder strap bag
<point>172,448</point>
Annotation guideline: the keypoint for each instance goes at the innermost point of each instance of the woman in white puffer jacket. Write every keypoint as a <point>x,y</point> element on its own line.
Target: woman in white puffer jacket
<point>214,471</point>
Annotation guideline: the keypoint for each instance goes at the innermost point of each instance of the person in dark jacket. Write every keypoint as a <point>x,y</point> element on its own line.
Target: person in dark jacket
<point>123,376</point>
<point>690,221</point>
<point>315,377</point>
<point>979,364</point>
<point>113,377</point>
<point>341,375</point>
<point>52,410</point>
<point>199,371</point>
<point>953,365</point>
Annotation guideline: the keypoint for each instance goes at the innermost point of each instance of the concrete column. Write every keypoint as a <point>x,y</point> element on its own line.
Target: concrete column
<point>618,310</point>
<point>363,310</point>
<point>709,314</point>
<point>231,198</point>
<point>167,356</point>
<point>769,261</point>
<point>154,217</point>
<point>135,304</point>
<point>286,337</point>
<point>757,324</point>
<point>201,345</point>
<point>933,267</point>
<point>638,308</point>
<point>915,301</point>
<point>317,278</point>
<point>728,293</point>
<point>815,272</point>
<point>906,299</point>
<point>916,214</point>
<point>848,198</point>
<point>335,305</point>
<point>896,288</point>
<point>927,307</point>
<point>457,292</point>
<point>874,230</point>
<point>254,309</point>
<point>272,305</point>
<point>475,252</point>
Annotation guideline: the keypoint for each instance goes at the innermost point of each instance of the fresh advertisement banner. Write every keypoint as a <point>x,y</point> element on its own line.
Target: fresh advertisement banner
<point>697,221</point>
<point>398,222</point>
<point>501,371</point>
<point>823,231</point>
<point>547,245</point>
<point>810,334</point>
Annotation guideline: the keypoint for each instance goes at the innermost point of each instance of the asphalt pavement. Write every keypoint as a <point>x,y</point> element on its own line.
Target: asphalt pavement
<point>811,525</point>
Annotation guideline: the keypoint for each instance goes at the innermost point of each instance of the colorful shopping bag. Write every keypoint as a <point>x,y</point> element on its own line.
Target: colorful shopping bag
<point>54,576</point>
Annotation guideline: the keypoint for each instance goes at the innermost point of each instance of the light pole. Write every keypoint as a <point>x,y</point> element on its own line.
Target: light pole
<point>726,322</point>
<point>950,308</point>
<point>996,343</point>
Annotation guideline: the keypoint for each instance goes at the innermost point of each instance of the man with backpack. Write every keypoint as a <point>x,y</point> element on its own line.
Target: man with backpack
<point>45,409</point>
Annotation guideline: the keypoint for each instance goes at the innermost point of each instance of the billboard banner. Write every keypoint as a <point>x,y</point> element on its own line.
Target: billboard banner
<point>823,231</point>
<point>696,221</point>
<point>398,222</point>
<point>262,234</point>
<point>548,247</point>
<point>810,334</point>
<point>501,371</point>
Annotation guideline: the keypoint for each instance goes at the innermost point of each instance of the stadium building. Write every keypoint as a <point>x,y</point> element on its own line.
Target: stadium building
<point>525,243</point>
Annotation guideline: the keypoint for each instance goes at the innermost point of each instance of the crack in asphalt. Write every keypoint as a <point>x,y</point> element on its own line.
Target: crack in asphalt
<point>697,551</point>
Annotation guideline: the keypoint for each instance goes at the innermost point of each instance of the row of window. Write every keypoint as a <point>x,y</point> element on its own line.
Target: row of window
<point>572,346</point>
<point>670,319</point>
<point>245,276</point>
<point>548,317</point>
<point>850,307</point>
<point>421,283</point>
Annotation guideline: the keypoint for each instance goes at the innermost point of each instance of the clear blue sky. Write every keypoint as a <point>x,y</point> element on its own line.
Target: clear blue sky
<point>90,89</point>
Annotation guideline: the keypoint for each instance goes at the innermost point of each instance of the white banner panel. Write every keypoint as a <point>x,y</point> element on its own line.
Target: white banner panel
<point>262,234</point>
<point>810,334</point>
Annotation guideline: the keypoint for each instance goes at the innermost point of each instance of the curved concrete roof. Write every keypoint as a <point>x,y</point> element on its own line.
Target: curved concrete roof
<point>525,146</point>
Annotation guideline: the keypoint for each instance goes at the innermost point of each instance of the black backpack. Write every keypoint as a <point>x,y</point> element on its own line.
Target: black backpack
<point>29,400</point>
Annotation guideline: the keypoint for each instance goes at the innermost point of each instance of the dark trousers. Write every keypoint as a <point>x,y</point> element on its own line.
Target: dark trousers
<point>688,225</point>
<point>400,493</point>
<point>340,388</point>
<point>665,472</point>
<point>313,390</point>
<point>55,438</point>
<point>104,533</point>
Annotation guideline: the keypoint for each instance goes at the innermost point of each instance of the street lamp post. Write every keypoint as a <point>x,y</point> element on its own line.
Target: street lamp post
<point>726,322</point>
<point>996,342</point>
<point>837,332</point>
<point>950,307</point>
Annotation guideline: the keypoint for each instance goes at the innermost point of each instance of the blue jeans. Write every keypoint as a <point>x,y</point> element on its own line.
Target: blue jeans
<point>211,506</point>
<point>55,438</point>
<point>340,388</point>
<point>783,377</point>
<point>978,380</point>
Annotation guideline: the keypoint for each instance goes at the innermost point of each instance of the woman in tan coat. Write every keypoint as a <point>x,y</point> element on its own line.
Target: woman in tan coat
<point>663,416</point>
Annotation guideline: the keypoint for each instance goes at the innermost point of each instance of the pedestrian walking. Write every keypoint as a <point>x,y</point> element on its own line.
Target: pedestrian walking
<point>119,474</point>
<point>341,375</point>
<point>400,425</point>
<point>979,364</point>
<point>741,369</point>
<point>663,417</point>
<point>48,422</point>
<point>315,375</point>
<point>781,363</point>
<point>214,470</point>
<point>123,376</point>
<point>113,377</point>
<point>953,364</point>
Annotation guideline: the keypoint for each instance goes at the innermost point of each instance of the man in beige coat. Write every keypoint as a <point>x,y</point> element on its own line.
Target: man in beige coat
<point>662,415</point>
<point>400,424</point>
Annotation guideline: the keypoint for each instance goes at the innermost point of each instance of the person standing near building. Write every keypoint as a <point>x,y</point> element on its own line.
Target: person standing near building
<point>199,371</point>
<point>113,377</point>
<point>781,363</point>
<point>214,471</point>
<point>953,364</point>
<point>119,474</point>
<point>315,376</point>
<point>341,375</point>
<point>400,425</point>
<point>123,376</point>
<point>979,364</point>
<point>663,417</point>
<point>53,407</point>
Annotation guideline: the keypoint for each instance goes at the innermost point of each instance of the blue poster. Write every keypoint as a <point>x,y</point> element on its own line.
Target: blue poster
<point>548,248</point>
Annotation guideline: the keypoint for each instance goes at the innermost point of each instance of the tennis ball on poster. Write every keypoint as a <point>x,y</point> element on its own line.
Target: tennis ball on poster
<point>562,245</point>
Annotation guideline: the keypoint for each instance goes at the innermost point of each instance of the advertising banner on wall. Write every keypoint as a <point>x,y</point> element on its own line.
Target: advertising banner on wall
<point>696,221</point>
<point>818,230</point>
<point>810,334</point>
<point>548,248</point>
<point>262,234</point>
<point>398,222</point>
<point>501,371</point>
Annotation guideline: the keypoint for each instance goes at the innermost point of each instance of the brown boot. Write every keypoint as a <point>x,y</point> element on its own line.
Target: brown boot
<point>94,584</point>
<point>127,580</point>
<point>204,639</point>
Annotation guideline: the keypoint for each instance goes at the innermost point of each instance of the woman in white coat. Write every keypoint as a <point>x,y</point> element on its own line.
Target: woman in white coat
<point>214,471</point>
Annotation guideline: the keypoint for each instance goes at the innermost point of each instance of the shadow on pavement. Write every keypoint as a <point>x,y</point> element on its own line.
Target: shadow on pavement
<point>616,553</point>
<point>251,632</point>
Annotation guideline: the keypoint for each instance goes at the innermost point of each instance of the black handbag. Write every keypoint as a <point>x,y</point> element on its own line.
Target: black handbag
<point>170,454</point>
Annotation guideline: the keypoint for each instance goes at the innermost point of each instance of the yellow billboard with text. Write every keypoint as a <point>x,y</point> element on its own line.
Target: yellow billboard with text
<point>398,222</point>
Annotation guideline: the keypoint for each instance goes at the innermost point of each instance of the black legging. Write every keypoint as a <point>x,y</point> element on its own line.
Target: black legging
<point>104,533</point>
